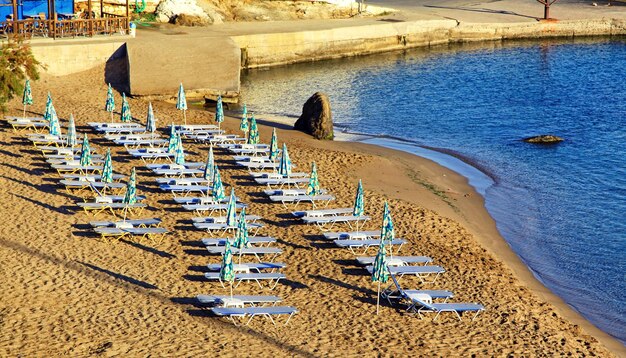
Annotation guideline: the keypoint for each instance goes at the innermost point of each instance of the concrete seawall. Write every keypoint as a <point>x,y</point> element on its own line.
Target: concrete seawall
<point>262,50</point>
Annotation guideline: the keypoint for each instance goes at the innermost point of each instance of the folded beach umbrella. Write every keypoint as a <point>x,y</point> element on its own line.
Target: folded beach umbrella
<point>181,102</point>
<point>379,270</point>
<point>241,235</point>
<point>109,106</point>
<point>219,111</point>
<point>231,209</point>
<point>150,121</point>
<point>253,134</point>
<point>46,113</point>
<point>218,187</point>
<point>54,126</point>
<point>27,96</point>
<point>314,185</point>
<point>173,140</point>
<point>227,272</point>
<point>130,197</point>
<point>125,115</point>
<point>107,168</point>
<point>359,204</point>
<point>387,233</point>
<point>274,146</point>
<point>284,167</point>
<point>179,154</point>
<point>70,140</point>
<point>244,126</point>
<point>209,168</point>
<point>85,153</point>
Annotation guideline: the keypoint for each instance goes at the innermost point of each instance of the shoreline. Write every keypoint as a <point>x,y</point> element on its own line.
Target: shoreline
<point>143,294</point>
<point>489,236</point>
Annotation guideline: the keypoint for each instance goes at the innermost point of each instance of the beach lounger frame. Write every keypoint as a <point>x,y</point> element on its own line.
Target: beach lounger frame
<point>251,312</point>
<point>273,278</point>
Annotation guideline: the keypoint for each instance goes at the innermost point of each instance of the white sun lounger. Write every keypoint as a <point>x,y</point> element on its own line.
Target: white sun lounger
<point>352,235</point>
<point>121,130</point>
<point>137,136</point>
<point>396,260</point>
<point>422,272</point>
<point>201,209</point>
<point>172,166</point>
<point>299,198</point>
<point>183,181</point>
<point>92,177</point>
<point>154,234</point>
<point>67,156</point>
<point>98,207</point>
<point>329,221</point>
<point>422,303</point>
<point>254,240</point>
<point>84,169</point>
<point>208,200</point>
<point>280,182</point>
<point>223,228</point>
<point>251,165</point>
<point>247,267</point>
<point>222,219</point>
<point>395,293</point>
<point>237,300</point>
<point>185,189</point>
<point>53,149</point>
<point>365,244</point>
<point>219,138</point>
<point>184,172</point>
<point>80,185</point>
<point>272,277</point>
<point>151,222</point>
<point>97,125</point>
<point>251,312</point>
<point>322,212</point>
<point>34,123</point>
<point>271,252</point>
<point>139,143</point>
<point>143,151</point>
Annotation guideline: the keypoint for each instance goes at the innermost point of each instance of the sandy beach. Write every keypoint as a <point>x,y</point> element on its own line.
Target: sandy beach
<point>67,293</point>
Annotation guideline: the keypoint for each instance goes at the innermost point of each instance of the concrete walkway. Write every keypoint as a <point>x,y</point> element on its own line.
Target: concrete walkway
<point>209,59</point>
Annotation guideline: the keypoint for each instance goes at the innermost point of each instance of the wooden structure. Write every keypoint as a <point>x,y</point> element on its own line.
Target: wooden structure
<point>59,25</point>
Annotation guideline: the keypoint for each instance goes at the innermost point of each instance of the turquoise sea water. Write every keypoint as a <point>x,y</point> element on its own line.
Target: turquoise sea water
<point>561,208</point>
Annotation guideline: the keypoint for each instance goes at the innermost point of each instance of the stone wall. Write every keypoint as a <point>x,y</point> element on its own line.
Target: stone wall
<point>263,50</point>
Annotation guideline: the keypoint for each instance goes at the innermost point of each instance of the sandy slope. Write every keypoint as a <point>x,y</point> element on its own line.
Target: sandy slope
<point>66,293</point>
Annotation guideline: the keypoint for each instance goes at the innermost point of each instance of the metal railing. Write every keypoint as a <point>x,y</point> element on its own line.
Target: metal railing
<point>65,28</point>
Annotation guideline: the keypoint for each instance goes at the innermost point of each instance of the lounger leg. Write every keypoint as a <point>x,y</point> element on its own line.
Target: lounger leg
<point>288,318</point>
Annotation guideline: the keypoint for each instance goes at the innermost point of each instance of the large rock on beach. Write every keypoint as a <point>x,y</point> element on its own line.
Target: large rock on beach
<point>543,139</point>
<point>170,10</point>
<point>316,118</point>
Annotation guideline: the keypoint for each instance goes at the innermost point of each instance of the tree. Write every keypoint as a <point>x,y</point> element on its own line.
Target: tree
<point>16,64</point>
<point>546,10</point>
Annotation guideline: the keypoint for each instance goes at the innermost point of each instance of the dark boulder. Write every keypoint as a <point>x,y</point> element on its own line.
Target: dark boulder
<point>316,118</point>
<point>543,139</point>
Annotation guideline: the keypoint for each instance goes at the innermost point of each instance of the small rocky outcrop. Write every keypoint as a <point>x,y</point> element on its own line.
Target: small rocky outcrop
<point>171,11</point>
<point>543,139</point>
<point>316,118</point>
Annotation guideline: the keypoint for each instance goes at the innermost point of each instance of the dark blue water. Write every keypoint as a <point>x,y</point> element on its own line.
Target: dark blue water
<point>561,208</point>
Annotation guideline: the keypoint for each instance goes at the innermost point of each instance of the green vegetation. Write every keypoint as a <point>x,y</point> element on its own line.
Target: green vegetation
<point>416,178</point>
<point>17,63</point>
<point>144,18</point>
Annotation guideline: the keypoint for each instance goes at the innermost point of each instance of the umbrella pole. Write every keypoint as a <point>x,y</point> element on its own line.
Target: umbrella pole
<point>24,116</point>
<point>111,116</point>
<point>231,289</point>
<point>185,116</point>
<point>378,298</point>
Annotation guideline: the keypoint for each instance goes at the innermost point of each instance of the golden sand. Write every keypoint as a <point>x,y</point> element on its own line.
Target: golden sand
<point>66,293</point>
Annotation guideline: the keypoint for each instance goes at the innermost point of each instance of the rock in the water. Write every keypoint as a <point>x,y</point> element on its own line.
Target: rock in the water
<point>172,9</point>
<point>543,139</point>
<point>316,118</point>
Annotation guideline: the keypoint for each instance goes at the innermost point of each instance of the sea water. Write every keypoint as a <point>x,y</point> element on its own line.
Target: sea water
<point>562,208</point>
